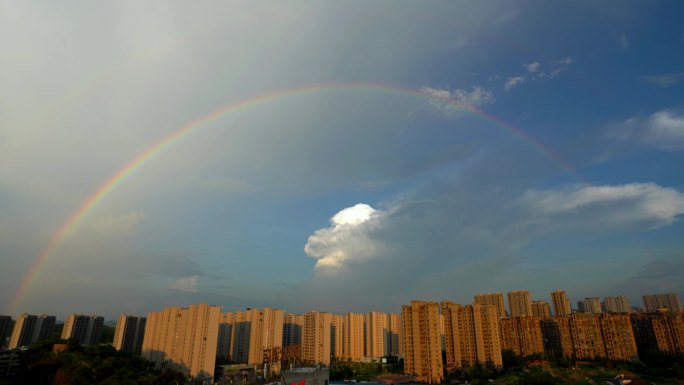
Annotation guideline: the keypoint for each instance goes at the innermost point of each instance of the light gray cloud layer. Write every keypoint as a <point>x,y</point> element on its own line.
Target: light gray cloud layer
<point>662,130</point>
<point>477,231</point>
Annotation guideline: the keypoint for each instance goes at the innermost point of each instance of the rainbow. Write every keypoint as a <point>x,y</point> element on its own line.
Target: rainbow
<point>136,163</point>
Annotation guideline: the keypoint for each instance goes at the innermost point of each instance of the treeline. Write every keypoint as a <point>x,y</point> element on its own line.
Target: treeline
<point>358,371</point>
<point>87,365</point>
<point>539,370</point>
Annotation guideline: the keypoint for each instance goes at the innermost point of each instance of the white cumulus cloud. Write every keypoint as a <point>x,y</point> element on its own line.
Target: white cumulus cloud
<point>348,239</point>
<point>444,232</point>
<point>186,284</point>
<point>560,66</point>
<point>663,130</point>
<point>532,67</point>
<point>513,81</point>
<point>535,74</point>
<point>443,98</point>
<point>477,96</point>
<point>638,206</point>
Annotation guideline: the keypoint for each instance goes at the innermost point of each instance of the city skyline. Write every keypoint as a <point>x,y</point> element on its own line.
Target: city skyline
<point>342,157</point>
<point>647,303</point>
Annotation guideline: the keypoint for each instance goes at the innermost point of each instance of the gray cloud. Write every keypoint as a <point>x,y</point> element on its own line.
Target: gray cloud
<point>420,243</point>
<point>88,88</point>
<point>622,41</point>
<point>227,185</point>
<point>664,80</point>
<point>660,275</point>
<point>663,130</point>
<point>535,72</point>
<point>513,81</point>
<point>477,97</point>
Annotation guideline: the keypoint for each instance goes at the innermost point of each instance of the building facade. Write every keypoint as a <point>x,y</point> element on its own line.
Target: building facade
<point>669,301</point>
<point>29,329</point>
<point>316,338</point>
<point>522,335</point>
<point>660,331</point>
<point>184,339</point>
<point>561,303</point>
<point>225,335</point>
<point>85,329</point>
<point>618,337</point>
<point>494,299</point>
<point>353,337</point>
<point>422,345</point>
<point>471,336</point>
<point>376,326</point>
<point>253,337</point>
<point>337,336</point>
<point>396,335</point>
<point>519,303</point>
<point>541,309</point>
<point>129,333</point>
<point>590,305</point>
<point>292,329</point>
<point>618,304</point>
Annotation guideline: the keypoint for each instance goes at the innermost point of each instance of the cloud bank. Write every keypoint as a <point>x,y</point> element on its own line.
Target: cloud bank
<point>473,233</point>
<point>663,130</point>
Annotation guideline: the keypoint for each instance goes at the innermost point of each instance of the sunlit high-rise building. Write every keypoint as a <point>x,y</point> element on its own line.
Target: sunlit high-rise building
<point>618,304</point>
<point>183,339</point>
<point>266,339</point>
<point>494,299</point>
<point>257,336</point>
<point>129,333</point>
<point>519,303</point>
<point>396,335</point>
<point>225,335</point>
<point>561,303</point>
<point>541,309</point>
<point>29,329</point>
<point>453,346</point>
<point>668,330</point>
<point>669,301</point>
<point>336,336</point>
<point>316,338</point>
<point>577,335</point>
<point>240,340</point>
<point>353,337</point>
<point>376,327</point>
<point>590,305</point>
<point>292,329</point>
<point>293,326</point>
<point>86,329</point>
<point>471,335</point>
<point>659,331</point>
<point>587,341</point>
<point>422,345</point>
<point>522,335</point>
<point>618,337</point>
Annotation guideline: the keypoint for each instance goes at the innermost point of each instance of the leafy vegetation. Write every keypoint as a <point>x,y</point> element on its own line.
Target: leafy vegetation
<point>107,334</point>
<point>90,365</point>
<point>344,370</point>
<point>654,367</point>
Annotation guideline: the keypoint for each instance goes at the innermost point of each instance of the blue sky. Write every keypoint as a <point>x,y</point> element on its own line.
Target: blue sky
<point>350,199</point>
